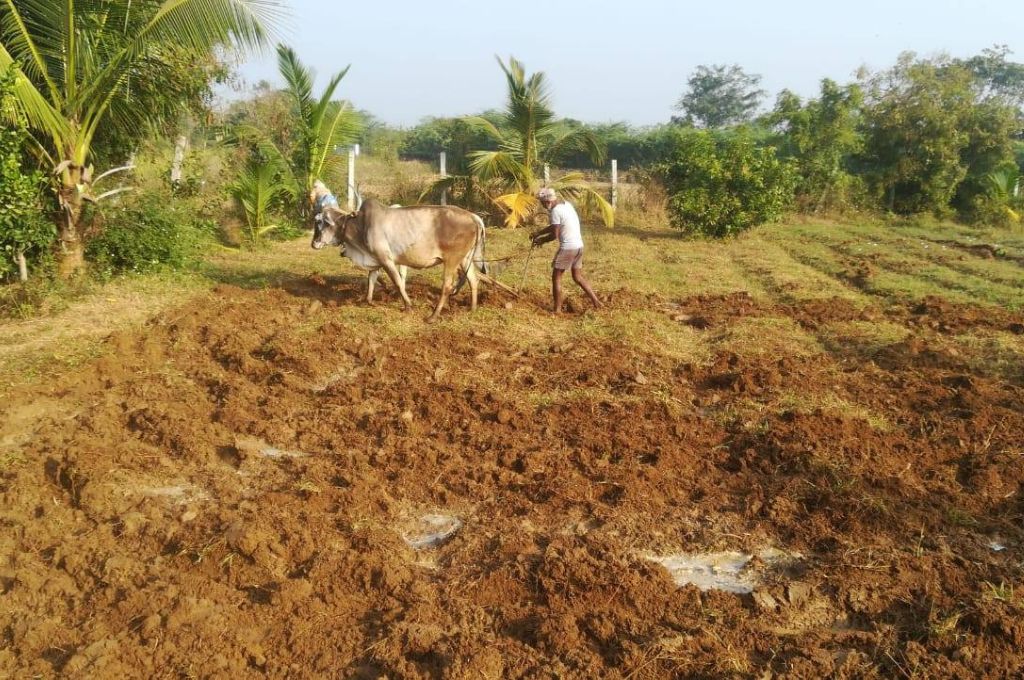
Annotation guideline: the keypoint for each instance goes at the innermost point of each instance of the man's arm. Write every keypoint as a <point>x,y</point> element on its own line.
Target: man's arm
<point>548,233</point>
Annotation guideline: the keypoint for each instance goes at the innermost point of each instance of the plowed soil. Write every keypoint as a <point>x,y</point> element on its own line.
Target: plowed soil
<point>231,493</point>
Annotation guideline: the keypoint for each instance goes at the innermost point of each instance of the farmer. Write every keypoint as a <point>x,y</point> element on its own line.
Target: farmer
<point>321,198</point>
<point>565,226</point>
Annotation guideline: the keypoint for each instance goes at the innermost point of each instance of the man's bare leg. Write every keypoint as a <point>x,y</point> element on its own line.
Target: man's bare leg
<point>556,289</point>
<point>581,281</point>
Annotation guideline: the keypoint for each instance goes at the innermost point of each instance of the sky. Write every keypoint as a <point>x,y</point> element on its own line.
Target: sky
<point>614,61</point>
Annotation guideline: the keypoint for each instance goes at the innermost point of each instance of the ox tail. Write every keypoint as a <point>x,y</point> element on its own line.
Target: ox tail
<point>480,251</point>
<point>476,257</point>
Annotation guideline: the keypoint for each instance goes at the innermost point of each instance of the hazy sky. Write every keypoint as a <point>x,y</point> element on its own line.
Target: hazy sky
<point>624,60</point>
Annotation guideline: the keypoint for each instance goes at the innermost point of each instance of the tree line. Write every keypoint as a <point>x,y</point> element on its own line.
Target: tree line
<point>85,86</point>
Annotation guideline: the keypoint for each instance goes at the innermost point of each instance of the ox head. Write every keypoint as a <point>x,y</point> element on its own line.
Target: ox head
<point>330,228</point>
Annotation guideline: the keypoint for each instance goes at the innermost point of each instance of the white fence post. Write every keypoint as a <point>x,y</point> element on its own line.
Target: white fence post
<point>547,174</point>
<point>444,173</point>
<point>615,183</point>
<point>351,179</point>
<point>22,267</point>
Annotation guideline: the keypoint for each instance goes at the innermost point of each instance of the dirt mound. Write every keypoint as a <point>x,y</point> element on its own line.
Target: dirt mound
<point>255,487</point>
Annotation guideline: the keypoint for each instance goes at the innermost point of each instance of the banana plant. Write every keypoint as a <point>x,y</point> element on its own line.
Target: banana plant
<point>75,61</point>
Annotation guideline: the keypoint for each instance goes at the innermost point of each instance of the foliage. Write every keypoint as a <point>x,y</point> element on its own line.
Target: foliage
<point>378,139</point>
<point>146,236</point>
<point>455,136</point>
<point>720,96</point>
<point>525,135</point>
<point>821,136</point>
<point>1003,200</point>
<point>22,227</point>
<point>1001,78</point>
<point>259,189</point>
<point>76,63</point>
<point>720,184</point>
<point>315,130</point>
<point>914,133</point>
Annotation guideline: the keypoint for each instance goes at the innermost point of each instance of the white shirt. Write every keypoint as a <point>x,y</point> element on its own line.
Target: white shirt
<point>570,236</point>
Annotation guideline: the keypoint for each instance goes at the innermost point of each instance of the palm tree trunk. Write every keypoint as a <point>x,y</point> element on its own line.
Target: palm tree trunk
<point>71,249</point>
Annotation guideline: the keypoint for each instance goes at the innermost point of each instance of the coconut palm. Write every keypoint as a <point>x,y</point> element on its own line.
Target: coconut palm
<point>526,135</point>
<point>322,124</point>
<point>257,189</point>
<point>76,61</point>
<point>1004,185</point>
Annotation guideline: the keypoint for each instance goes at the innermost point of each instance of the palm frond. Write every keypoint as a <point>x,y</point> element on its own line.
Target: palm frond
<point>341,128</point>
<point>26,28</point>
<point>39,113</point>
<point>500,165</point>
<point>323,106</point>
<point>518,207</point>
<point>572,186</point>
<point>576,139</point>
<point>298,80</point>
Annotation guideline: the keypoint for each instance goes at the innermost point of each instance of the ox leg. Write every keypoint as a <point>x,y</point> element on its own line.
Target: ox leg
<point>396,278</point>
<point>447,284</point>
<point>371,281</point>
<point>474,286</point>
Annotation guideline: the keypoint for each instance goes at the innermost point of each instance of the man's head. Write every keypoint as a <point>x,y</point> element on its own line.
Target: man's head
<point>547,197</point>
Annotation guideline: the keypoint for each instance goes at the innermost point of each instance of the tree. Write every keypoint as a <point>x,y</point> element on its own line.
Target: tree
<point>312,134</point>
<point>324,125</point>
<point>76,62</point>
<point>526,134</point>
<point>935,129</point>
<point>820,136</point>
<point>914,124</point>
<point>721,183</point>
<point>720,96</point>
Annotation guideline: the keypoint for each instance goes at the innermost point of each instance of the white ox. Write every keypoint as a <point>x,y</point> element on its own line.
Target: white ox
<point>377,237</point>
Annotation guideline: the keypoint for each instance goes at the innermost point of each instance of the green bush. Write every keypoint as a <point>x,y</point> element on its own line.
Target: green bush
<point>24,227</point>
<point>720,184</point>
<point>145,237</point>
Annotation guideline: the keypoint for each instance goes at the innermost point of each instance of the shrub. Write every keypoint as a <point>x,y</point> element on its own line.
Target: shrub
<point>24,227</point>
<point>720,184</point>
<point>144,237</point>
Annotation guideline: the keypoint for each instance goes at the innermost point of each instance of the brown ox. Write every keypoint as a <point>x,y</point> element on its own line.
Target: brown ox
<point>377,237</point>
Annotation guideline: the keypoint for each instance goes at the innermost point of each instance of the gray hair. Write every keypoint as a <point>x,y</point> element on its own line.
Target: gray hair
<point>546,194</point>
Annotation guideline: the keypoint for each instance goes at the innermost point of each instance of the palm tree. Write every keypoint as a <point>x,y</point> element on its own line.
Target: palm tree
<point>526,135</point>
<point>322,126</point>
<point>257,189</point>
<point>75,62</point>
<point>1004,185</point>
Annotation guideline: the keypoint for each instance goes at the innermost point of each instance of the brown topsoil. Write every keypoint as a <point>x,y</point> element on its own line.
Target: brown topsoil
<point>150,530</point>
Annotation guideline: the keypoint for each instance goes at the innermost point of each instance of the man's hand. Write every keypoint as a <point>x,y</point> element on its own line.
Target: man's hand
<point>542,236</point>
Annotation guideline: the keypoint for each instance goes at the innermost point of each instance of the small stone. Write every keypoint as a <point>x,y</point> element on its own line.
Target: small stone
<point>483,356</point>
<point>765,601</point>
<point>508,305</point>
<point>407,416</point>
<point>189,516</point>
<point>640,378</point>
<point>797,592</point>
<point>504,416</point>
<point>314,307</point>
